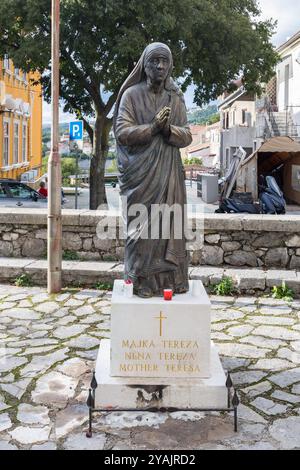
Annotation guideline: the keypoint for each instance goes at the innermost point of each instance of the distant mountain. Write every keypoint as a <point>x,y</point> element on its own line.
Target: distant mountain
<point>202,116</point>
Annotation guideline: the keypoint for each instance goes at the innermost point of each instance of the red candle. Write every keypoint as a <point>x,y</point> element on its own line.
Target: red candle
<point>168,294</point>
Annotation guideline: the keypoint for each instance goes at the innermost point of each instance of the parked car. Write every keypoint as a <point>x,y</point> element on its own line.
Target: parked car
<point>16,194</point>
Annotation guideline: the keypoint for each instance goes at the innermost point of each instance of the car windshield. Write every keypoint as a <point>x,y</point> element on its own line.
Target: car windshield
<point>20,190</point>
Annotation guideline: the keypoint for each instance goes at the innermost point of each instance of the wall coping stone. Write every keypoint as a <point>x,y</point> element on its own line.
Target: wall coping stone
<point>213,222</point>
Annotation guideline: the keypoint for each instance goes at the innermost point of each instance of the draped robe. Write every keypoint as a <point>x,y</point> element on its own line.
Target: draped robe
<point>151,172</point>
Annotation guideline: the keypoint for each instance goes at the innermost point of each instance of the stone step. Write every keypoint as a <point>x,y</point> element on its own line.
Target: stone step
<point>90,273</point>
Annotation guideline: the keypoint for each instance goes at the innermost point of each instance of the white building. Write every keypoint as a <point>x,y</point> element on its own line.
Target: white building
<point>288,81</point>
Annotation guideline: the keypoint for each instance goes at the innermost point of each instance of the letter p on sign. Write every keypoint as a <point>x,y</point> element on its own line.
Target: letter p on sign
<point>76,130</point>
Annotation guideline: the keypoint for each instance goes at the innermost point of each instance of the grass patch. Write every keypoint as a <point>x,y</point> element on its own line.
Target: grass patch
<point>283,292</point>
<point>224,287</point>
<point>103,286</point>
<point>23,281</point>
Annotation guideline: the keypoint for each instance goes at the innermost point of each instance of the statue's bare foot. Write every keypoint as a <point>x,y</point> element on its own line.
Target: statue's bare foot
<point>144,292</point>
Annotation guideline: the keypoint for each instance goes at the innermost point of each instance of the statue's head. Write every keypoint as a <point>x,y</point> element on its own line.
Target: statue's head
<point>157,62</point>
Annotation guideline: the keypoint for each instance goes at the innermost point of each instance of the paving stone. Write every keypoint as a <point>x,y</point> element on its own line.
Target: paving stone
<point>286,431</point>
<point>217,315</point>
<point>46,446</point>
<point>232,363</point>
<point>7,305</point>
<point>83,342</point>
<point>64,332</point>
<point>284,396</point>
<point>286,378</point>
<point>96,318</point>
<point>41,350</point>
<point>295,345</point>
<point>241,350</point>
<point>266,320</point>
<point>241,330</point>
<point>61,313</point>
<point>276,332</point>
<point>16,389</point>
<point>42,327</point>
<point>271,364</point>
<point>66,320</point>
<point>8,378</point>
<point>69,419</point>
<point>39,298</point>
<point>244,412</point>
<point>271,301</point>
<point>84,311</point>
<point>55,389</point>
<point>43,363</point>
<point>10,363</point>
<point>28,414</point>
<point>247,377</point>
<point>91,355</point>
<point>257,389</point>
<point>260,341</point>
<point>292,356</point>
<point>276,310</point>
<point>16,297</point>
<point>74,367</point>
<point>5,445</point>
<point>33,342</point>
<point>47,307</point>
<point>63,297</point>
<point>22,314</point>
<point>24,303</point>
<point>5,422</point>
<point>296,389</point>
<point>249,308</point>
<point>79,441</point>
<point>268,406</point>
<point>73,303</point>
<point>6,352</point>
<point>30,435</point>
<point>3,405</point>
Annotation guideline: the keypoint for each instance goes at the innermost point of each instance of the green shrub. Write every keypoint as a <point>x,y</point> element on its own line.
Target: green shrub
<point>283,292</point>
<point>224,287</point>
<point>23,281</point>
<point>70,256</point>
<point>103,286</point>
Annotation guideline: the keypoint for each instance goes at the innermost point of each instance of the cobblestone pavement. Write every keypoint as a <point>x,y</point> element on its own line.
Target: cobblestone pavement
<point>48,345</point>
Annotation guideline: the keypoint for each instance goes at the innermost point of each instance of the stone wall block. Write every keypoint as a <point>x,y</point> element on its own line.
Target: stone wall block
<point>277,257</point>
<point>71,241</point>
<point>241,258</point>
<point>33,248</point>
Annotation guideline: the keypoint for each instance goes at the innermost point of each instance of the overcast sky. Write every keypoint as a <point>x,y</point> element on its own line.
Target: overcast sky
<point>286,12</point>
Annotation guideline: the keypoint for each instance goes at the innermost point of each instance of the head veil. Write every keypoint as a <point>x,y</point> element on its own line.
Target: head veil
<point>138,73</point>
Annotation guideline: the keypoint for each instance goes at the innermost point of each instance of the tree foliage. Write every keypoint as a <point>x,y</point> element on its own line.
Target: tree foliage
<point>213,41</point>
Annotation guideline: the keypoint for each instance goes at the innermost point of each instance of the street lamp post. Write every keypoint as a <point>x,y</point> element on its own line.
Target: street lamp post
<point>54,166</point>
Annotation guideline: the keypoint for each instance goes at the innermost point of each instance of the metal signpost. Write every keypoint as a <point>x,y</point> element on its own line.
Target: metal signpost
<point>76,145</point>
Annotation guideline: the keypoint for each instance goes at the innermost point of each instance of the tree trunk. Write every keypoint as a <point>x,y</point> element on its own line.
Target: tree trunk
<point>97,170</point>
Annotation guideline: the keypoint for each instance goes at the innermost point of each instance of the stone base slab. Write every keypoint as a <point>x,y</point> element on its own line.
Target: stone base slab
<point>139,393</point>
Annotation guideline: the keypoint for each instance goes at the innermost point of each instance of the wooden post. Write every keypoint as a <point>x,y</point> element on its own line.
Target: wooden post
<point>54,167</point>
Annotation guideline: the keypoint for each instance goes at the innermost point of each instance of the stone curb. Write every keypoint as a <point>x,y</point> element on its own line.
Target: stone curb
<point>84,273</point>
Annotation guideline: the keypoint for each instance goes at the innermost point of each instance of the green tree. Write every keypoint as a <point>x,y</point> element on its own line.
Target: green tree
<point>213,41</point>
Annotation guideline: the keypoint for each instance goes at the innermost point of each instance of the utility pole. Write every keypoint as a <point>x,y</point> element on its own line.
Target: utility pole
<point>54,166</point>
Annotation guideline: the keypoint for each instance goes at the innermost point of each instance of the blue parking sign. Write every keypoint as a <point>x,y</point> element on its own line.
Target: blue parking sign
<point>76,130</point>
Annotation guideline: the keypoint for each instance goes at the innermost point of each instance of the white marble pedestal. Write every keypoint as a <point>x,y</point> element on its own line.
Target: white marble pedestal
<point>160,355</point>
<point>142,392</point>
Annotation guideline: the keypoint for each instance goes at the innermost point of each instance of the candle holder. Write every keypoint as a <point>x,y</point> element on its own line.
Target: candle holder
<point>168,294</point>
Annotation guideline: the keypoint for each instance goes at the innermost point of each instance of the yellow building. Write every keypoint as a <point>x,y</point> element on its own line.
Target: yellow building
<point>20,123</point>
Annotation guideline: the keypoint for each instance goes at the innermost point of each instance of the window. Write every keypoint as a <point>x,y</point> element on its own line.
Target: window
<point>6,62</point>
<point>233,117</point>
<point>24,142</point>
<point>2,191</point>
<point>227,121</point>
<point>20,190</point>
<point>17,71</point>
<point>227,158</point>
<point>254,145</point>
<point>16,142</point>
<point>244,111</point>
<point>5,143</point>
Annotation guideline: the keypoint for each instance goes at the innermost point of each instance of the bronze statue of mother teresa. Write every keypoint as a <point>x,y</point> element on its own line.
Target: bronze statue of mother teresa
<point>150,126</point>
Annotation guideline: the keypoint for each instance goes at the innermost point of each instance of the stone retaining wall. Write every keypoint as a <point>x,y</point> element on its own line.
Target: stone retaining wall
<point>232,240</point>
